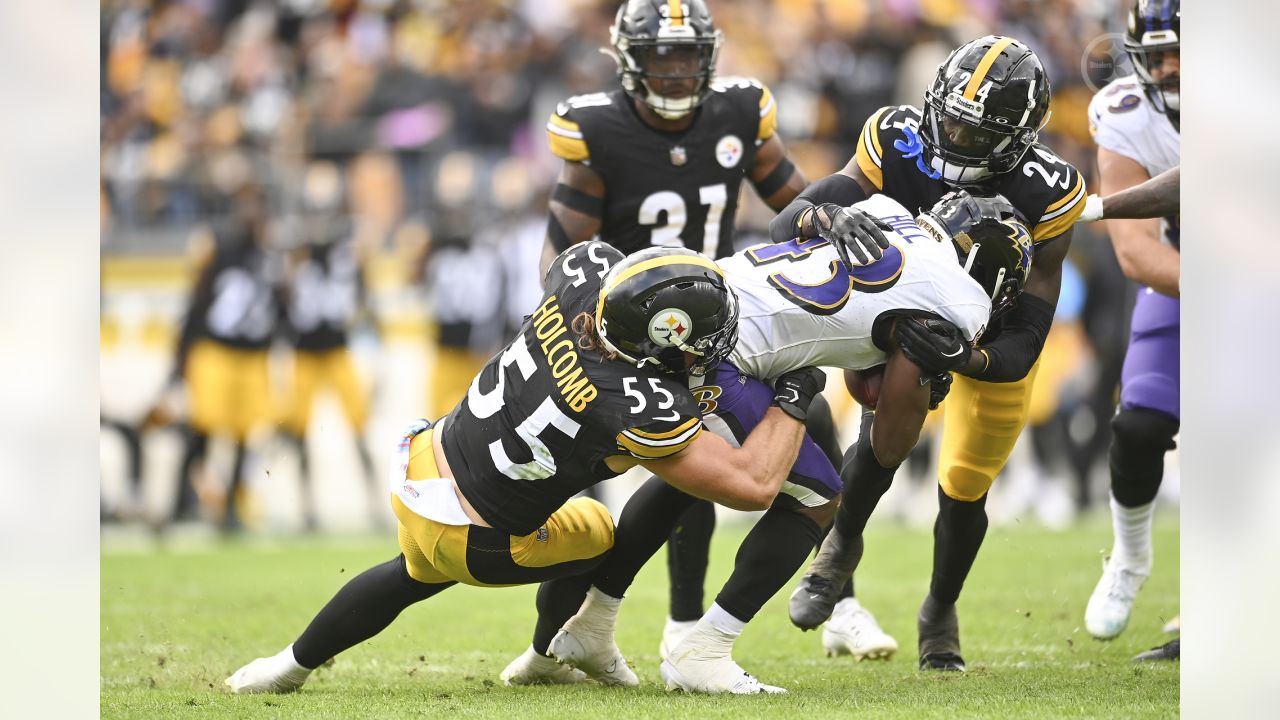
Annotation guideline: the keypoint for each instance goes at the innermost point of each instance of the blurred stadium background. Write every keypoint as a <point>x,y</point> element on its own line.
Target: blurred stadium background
<point>413,129</point>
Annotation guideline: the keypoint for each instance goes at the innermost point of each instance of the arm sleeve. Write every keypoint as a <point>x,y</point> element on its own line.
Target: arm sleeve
<point>659,439</point>
<point>1011,355</point>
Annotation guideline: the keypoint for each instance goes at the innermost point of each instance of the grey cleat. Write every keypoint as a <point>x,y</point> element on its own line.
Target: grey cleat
<point>819,590</point>
<point>1171,650</point>
<point>939,630</point>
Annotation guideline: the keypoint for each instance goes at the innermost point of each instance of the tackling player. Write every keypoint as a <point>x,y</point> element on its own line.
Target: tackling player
<point>592,385</point>
<point>978,128</point>
<point>800,306</point>
<point>1135,124</point>
<point>659,161</point>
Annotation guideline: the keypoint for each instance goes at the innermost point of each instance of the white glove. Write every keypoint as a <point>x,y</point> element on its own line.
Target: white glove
<point>1092,210</point>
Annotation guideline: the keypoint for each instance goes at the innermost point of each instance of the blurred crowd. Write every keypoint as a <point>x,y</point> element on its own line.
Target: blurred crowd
<point>419,123</point>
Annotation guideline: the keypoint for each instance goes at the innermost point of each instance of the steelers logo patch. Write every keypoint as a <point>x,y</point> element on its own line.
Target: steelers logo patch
<point>729,151</point>
<point>670,328</point>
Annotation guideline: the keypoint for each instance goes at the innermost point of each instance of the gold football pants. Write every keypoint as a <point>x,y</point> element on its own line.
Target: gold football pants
<point>979,429</point>
<point>329,368</point>
<point>573,540</point>
<point>228,387</point>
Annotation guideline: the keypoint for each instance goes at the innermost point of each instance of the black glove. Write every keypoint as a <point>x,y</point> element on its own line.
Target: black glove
<point>853,231</point>
<point>934,344</point>
<point>794,391</point>
<point>939,386</point>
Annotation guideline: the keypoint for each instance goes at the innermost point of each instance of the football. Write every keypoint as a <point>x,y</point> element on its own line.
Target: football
<point>864,385</point>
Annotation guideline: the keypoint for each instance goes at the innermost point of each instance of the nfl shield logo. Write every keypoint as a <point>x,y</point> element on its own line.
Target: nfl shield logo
<point>678,155</point>
<point>542,535</point>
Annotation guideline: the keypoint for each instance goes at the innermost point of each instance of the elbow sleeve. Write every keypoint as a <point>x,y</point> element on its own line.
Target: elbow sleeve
<point>838,188</point>
<point>1011,355</point>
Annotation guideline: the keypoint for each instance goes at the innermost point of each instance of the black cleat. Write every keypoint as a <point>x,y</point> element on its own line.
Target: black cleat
<point>939,631</point>
<point>1171,650</point>
<point>819,591</point>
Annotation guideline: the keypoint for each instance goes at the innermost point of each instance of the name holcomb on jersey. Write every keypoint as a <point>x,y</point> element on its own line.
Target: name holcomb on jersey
<point>668,189</point>
<point>1046,189</point>
<point>542,416</point>
<point>1123,120</point>
<point>799,307</point>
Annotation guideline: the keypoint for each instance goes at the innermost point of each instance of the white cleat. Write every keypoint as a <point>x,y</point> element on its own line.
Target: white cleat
<point>853,630</point>
<point>1174,626</point>
<point>1108,610</point>
<point>673,634</point>
<point>694,669</point>
<point>279,673</point>
<point>534,669</point>
<point>593,652</point>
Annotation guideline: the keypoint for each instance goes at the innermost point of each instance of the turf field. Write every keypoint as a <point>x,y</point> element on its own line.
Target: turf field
<point>176,623</point>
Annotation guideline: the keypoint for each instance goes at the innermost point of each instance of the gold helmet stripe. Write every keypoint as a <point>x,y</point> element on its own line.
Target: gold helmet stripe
<point>675,11</point>
<point>657,262</point>
<point>980,74</point>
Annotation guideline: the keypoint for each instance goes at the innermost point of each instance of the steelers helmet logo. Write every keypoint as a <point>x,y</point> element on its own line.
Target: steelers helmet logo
<point>670,328</point>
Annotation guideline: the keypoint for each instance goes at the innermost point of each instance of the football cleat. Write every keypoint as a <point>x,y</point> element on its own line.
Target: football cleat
<point>673,634</point>
<point>853,630</point>
<point>939,630</point>
<point>703,663</point>
<point>1108,610</point>
<point>1174,625</point>
<point>534,669</point>
<point>1171,650</point>
<point>590,647</point>
<point>819,591</point>
<point>279,673</point>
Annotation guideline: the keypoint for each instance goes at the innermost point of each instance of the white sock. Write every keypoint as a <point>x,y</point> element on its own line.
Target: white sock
<point>600,608</point>
<point>846,605</point>
<point>286,655</point>
<point>1132,528</point>
<point>720,619</point>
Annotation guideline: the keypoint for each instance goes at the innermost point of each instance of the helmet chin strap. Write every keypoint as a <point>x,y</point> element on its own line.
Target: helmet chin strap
<point>999,284</point>
<point>973,255</point>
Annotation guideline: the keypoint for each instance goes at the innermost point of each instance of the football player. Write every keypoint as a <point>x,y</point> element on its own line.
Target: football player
<point>592,385</point>
<point>659,161</point>
<point>323,293</point>
<point>801,306</point>
<point>222,347</point>
<point>978,128</point>
<point>1135,124</point>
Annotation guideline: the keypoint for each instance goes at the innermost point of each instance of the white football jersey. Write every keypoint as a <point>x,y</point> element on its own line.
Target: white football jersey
<point>799,307</point>
<point>1123,121</point>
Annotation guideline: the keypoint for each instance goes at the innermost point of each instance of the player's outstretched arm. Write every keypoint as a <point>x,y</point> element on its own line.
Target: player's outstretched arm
<point>576,211</point>
<point>749,477</point>
<point>1156,198</point>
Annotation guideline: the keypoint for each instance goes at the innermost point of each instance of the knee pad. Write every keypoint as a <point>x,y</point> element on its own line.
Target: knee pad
<point>1142,429</point>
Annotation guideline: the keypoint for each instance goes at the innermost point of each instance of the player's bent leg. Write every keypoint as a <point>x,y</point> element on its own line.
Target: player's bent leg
<point>361,609</point>
<point>864,481</point>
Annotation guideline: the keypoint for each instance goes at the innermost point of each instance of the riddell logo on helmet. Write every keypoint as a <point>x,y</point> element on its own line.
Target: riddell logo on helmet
<point>670,328</point>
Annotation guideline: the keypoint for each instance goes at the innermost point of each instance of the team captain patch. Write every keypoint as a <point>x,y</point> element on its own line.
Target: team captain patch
<point>670,327</point>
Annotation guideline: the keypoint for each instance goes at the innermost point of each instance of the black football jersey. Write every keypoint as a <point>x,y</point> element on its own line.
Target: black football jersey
<point>241,310</point>
<point>539,420</point>
<point>324,290</point>
<point>663,188</point>
<point>1046,189</point>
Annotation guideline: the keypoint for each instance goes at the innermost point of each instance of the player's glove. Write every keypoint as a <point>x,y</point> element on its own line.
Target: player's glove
<point>934,344</point>
<point>939,386</point>
<point>859,237</point>
<point>795,390</point>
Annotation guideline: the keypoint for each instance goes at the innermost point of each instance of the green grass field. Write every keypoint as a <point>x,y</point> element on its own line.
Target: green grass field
<point>175,624</point>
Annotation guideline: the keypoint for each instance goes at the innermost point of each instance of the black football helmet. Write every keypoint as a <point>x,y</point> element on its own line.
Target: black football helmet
<point>661,303</point>
<point>991,240</point>
<point>649,33</point>
<point>1155,26</point>
<point>983,110</point>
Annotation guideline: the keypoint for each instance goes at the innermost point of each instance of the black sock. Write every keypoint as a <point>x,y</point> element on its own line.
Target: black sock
<point>558,600</point>
<point>645,523</point>
<point>865,481</point>
<point>688,549</point>
<point>775,548</point>
<point>186,503</point>
<point>957,535</point>
<point>1139,440</point>
<point>362,608</point>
